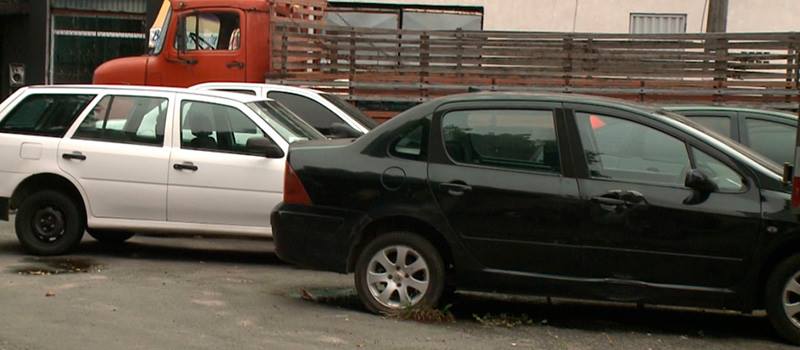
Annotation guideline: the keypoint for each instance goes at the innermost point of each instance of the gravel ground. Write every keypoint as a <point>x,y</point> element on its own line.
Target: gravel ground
<point>210,293</point>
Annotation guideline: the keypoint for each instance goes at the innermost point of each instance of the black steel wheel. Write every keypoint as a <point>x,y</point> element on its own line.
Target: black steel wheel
<point>49,223</point>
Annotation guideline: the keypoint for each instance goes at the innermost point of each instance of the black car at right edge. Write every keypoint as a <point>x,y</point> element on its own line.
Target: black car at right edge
<point>557,195</point>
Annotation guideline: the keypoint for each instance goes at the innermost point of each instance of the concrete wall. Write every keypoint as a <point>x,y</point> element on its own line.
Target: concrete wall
<point>612,16</point>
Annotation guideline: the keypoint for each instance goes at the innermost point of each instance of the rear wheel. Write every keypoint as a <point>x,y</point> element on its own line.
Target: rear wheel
<point>399,270</point>
<point>110,236</point>
<point>783,299</point>
<point>49,223</point>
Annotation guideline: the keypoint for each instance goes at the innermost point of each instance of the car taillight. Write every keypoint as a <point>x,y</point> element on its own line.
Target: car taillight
<point>293,190</point>
<point>796,192</point>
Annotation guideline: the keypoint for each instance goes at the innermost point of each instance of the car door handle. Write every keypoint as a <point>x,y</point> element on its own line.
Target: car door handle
<point>235,64</point>
<point>185,166</point>
<point>74,156</point>
<point>608,201</point>
<point>455,188</point>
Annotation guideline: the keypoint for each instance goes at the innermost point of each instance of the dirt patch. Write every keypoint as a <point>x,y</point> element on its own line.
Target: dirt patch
<point>55,266</point>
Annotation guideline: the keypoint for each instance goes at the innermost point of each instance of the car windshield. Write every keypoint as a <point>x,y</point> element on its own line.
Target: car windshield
<point>352,111</point>
<point>286,123</point>
<point>749,153</point>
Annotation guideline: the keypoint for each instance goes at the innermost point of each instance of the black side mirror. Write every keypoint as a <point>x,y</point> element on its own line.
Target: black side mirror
<point>263,146</point>
<point>702,185</point>
<point>343,131</point>
<point>180,35</point>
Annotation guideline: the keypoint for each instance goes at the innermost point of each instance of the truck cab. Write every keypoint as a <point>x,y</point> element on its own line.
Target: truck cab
<point>196,41</point>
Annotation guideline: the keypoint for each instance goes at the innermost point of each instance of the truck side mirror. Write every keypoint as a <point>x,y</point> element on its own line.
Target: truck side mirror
<point>180,35</point>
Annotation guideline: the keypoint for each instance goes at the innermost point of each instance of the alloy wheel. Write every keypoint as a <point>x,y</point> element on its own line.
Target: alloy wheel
<point>398,276</point>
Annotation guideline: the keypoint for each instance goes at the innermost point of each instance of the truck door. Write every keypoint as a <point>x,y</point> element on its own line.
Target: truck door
<point>207,45</point>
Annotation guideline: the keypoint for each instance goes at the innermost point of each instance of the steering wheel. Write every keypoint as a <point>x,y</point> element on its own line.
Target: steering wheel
<point>200,42</point>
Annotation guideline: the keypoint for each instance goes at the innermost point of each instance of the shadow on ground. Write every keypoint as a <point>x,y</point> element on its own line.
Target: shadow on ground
<point>170,248</point>
<point>612,318</point>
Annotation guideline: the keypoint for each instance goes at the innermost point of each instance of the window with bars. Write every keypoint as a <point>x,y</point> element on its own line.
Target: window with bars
<point>657,23</point>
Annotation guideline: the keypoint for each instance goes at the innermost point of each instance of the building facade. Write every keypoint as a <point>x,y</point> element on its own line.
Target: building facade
<point>610,16</point>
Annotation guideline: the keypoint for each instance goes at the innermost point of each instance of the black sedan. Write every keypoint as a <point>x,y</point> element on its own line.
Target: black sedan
<point>558,195</point>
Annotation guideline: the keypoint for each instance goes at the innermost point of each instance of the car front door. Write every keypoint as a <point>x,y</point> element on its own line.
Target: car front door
<point>214,176</point>
<point>213,48</point>
<point>499,178</point>
<point>726,123</point>
<point>644,224</point>
<point>119,153</point>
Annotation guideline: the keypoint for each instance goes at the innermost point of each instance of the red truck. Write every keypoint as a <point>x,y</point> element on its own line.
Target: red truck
<point>195,41</point>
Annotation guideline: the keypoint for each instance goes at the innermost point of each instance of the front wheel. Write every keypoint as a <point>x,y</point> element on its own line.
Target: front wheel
<point>399,270</point>
<point>783,299</point>
<point>49,223</point>
<point>110,237</point>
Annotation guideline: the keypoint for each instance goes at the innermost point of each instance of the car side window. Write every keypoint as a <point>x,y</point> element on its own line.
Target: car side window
<point>727,179</point>
<point>309,110</point>
<point>411,142</point>
<point>211,31</point>
<point>126,119</point>
<point>720,124</point>
<point>217,128</point>
<point>774,140</point>
<point>505,138</point>
<point>45,114</point>
<point>620,149</point>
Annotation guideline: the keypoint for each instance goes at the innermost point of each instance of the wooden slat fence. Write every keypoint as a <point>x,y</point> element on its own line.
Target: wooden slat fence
<point>407,66</point>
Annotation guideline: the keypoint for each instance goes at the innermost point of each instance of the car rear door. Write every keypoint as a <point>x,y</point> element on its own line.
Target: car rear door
<point>500,177</point>
<point>119,153</point>
<point>213,179</point>
<point>644,225</point>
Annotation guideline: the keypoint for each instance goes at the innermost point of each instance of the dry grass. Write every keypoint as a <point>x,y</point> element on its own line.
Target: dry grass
<point>503,320</point>
<point>424,314</point>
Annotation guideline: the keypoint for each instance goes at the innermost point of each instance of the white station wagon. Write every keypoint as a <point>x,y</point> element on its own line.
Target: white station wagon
<point>114,160</point>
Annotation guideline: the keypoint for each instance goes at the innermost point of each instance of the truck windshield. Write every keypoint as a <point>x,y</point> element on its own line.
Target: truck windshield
<point>286,123</point>
<point>352,111</point>
<point>159,29</point>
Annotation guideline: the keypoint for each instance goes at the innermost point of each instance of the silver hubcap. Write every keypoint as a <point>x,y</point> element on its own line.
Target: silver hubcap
<point>397,276</point>
<point>791,300</point>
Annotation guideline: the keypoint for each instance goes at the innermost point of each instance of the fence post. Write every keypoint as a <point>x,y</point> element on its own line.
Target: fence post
<point>567,64</point>
<point>284,51</point>
<point>352,60</point>
<point>424,63</point>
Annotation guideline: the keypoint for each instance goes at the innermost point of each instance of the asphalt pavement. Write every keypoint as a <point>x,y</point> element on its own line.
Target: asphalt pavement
<point>213,293</point>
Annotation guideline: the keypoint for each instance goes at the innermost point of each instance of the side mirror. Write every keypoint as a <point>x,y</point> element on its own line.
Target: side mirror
<point>180,35</point>
<point>699,181</point>
<point>343,131</point>
<point>701,185</point>
<point>263,146</point>
<point>788,173</point>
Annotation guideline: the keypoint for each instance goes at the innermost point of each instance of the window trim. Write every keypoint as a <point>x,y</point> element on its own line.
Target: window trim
<point>213,10</point>
<point>16,99</point>
<point>268,131</point>
<point>689,141</point>
<point>443,113</point>
<point>99,98</point>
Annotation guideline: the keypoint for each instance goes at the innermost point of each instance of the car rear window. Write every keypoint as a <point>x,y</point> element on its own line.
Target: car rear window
<point>45,114</point>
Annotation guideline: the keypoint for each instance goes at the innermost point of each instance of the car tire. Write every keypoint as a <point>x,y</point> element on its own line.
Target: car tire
<point>419,281</point>
<point>783,289</point>
<point>110,237</point>
<point>49,223</point>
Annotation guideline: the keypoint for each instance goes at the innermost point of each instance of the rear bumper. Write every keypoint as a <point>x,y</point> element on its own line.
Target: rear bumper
<point>4,209</point>
<point>318,238</point>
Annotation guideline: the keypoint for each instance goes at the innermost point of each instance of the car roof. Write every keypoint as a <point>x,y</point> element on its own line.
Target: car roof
<point>286,88</point>
<point>133,88</point>
<point>781,114</point>
<point>549,97</point>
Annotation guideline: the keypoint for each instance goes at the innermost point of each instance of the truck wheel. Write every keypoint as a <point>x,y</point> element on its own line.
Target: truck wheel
<point>49,223</point>
<point>399,270</point>
<point>783,299</point>
<point>110,237</point>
